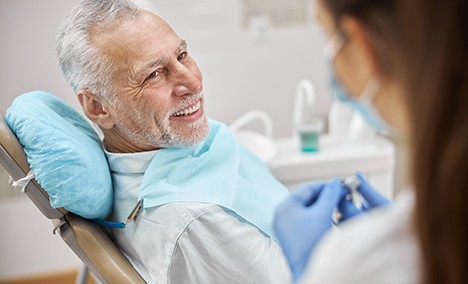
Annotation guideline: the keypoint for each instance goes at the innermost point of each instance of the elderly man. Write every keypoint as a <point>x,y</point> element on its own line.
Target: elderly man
<point>205,211</point>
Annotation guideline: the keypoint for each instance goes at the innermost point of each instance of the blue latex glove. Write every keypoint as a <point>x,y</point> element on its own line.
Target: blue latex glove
<point>372,197</point>
<point>303,218</point>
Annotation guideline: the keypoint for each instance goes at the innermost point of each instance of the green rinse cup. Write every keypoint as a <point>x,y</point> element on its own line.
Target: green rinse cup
<point>309,133</point>
<point>309,141</point>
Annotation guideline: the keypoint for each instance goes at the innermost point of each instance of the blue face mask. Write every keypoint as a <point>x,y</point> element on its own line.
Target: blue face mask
<point>363,105</point>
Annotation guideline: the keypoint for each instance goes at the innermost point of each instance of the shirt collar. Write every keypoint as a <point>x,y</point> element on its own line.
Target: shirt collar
<point>129,163</point>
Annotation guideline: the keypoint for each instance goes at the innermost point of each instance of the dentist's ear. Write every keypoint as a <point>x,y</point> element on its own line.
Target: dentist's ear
<point>362,48</point>
<point>95,108</point>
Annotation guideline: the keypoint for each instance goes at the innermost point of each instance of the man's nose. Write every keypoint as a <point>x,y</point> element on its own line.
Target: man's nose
<point>186,82</point>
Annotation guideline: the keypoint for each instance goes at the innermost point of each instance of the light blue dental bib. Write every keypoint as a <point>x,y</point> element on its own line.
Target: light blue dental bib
<point>217,171</point>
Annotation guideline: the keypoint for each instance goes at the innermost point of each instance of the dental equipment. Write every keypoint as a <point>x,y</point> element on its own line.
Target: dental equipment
<point>307,130</point>
<point>304,89</point>
<point>260,144</point>
<point>353,183</point>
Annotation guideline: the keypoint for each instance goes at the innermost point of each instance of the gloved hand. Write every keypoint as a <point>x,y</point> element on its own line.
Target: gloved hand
<point>372,197</point>
<point>303,218</point>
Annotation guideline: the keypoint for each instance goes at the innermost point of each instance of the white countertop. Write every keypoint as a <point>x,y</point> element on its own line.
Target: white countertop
<point>332,159</point>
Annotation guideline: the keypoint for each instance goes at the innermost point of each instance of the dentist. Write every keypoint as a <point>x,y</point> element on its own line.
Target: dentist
<point>404,66</point>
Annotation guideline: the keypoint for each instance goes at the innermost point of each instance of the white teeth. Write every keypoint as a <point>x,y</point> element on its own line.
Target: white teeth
<point>188,111</point>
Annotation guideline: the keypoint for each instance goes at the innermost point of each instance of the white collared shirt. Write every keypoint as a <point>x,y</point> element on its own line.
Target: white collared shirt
<point>189,242</point>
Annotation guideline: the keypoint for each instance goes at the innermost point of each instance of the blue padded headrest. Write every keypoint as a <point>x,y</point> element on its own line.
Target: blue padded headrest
<point>64,153</point>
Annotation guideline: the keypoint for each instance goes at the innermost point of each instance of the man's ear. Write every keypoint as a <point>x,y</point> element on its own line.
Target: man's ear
<point>95,109</point>
<point>362,48</point>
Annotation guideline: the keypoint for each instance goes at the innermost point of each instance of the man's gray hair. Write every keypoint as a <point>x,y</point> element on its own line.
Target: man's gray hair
<point>84,65</point>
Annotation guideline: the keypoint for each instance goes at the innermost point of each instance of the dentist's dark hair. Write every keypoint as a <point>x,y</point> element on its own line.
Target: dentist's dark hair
<point>435,49</point>
<point>430,40</point>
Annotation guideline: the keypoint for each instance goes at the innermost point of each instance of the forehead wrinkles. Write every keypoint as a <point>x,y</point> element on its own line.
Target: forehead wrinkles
<point>130,35</point>
<point>133,41</point>
<point>108,45</point>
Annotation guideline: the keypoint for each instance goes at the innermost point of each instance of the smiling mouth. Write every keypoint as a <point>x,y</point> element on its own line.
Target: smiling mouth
<point>188,111</point>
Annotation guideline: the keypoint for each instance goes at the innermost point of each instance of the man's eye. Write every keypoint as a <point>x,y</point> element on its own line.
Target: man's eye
<point>182,55</point>
<point>153,74</point>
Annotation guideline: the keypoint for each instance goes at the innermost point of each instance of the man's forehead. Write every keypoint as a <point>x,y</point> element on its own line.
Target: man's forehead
<point>136,36</point>
<point>131,28</point>
<point>142,22</point>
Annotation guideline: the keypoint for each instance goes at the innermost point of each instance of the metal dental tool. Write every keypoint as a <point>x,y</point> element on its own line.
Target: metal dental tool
<point>353,183</point>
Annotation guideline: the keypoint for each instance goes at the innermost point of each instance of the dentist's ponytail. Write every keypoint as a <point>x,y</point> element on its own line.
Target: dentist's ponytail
<point>435,46</point>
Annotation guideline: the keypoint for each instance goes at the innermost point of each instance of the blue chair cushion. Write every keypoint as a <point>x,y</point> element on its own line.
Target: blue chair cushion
<point>64,153</point>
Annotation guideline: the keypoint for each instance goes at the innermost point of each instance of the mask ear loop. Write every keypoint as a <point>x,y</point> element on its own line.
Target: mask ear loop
<point>370,91</point>
<point>334,45</point>
<point>368,94</point>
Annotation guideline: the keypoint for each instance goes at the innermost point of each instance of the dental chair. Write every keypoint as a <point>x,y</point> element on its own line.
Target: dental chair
<point>91,243</point>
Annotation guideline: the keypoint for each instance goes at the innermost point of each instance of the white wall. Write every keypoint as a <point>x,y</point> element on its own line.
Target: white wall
<point>240,73</point>
<point>27,244</point>
<point>27,60</point>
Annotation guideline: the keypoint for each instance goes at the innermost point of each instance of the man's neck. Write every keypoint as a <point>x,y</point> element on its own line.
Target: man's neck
<point>115,143</point>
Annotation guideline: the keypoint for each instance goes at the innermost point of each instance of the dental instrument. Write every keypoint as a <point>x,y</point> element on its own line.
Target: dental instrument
<point>353,183</point>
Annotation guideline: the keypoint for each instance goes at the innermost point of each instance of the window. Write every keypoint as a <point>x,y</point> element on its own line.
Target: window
<point>279,12</point>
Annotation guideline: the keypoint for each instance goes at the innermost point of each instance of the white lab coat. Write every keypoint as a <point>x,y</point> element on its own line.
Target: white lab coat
<point>378,248</point>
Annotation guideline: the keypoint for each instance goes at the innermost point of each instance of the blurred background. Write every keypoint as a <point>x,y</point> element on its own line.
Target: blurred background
<point>252,54</point>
